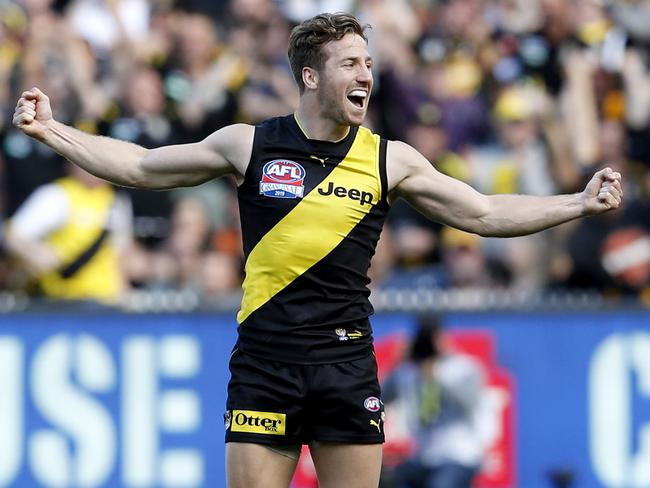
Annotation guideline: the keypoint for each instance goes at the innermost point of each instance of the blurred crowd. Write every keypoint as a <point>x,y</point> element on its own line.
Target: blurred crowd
<point>511,96</point>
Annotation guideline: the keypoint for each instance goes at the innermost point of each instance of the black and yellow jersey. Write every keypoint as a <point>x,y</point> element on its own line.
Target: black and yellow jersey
<point>311,213</point>
<point>98,277</point>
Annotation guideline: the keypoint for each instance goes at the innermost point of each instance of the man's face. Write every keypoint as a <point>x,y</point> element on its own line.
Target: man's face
<point>345,80</point>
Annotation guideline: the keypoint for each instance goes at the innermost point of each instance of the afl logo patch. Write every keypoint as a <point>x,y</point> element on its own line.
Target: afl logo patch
<point>372,404</point>
<point>282,178</point>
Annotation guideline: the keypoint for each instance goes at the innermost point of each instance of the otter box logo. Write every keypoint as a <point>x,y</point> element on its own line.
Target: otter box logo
<point>253,422</point>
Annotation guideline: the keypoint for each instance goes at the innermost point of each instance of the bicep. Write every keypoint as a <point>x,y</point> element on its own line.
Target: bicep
<point>181,165</point>
<point>226,151</point>
<point>436,195</point>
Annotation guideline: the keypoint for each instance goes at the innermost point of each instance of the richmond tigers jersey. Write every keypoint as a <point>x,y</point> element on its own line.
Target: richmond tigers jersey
<point>311,214</point>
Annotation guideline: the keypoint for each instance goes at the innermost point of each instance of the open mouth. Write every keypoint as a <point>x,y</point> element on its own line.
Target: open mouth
<point>358,98</point>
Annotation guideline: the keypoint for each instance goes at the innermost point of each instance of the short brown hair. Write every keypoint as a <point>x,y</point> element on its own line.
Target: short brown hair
<point>308,38</point>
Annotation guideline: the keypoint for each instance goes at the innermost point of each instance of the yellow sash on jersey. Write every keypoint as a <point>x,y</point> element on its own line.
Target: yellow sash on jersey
<point>316,226</point>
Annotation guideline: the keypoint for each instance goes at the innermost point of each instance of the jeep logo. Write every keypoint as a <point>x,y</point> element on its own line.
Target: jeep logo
<point>339,191</point>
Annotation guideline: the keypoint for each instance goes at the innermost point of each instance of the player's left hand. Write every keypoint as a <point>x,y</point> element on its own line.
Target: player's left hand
<point>603,192</point>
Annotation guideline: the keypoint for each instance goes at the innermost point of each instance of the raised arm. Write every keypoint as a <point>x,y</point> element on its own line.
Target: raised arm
<point>456,204</point>
<point>226,151</point>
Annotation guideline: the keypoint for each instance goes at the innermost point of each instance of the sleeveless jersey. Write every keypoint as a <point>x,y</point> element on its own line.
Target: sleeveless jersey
<point>100,277</point>
<point>311,214</point>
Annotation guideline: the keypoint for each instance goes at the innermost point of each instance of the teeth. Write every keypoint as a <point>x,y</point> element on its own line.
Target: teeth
<point>358,93</point>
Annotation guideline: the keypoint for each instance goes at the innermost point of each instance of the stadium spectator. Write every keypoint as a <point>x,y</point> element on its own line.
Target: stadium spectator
<point>140,117</point>
<point>70,235</point>
<point>440,398</point>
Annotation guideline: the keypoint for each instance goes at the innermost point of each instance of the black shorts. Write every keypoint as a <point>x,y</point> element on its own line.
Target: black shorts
<point>284,404</point>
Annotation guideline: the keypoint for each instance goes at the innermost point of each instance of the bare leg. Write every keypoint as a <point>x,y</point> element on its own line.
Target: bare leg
<point>347,465</point>
<point>255,466</point>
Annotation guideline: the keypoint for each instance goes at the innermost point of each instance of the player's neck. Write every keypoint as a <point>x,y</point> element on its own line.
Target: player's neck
<point>319,128</point>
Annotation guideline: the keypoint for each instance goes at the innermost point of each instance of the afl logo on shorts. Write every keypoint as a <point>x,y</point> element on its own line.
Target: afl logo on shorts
<point>372,404</point>
<point>282,178</point>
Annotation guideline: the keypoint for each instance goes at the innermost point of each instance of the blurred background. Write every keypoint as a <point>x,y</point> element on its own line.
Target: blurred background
<point>118,304</point>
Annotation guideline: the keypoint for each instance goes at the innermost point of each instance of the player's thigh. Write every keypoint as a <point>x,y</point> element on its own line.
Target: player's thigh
<point>256,466</point>
<point>347,465</point>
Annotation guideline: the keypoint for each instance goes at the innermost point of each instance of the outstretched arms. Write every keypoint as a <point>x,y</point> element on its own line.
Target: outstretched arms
<point>226,151</point>
<point>454,203</point>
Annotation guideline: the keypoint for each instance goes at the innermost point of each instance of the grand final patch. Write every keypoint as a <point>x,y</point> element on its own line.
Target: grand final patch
<point>282,178</point>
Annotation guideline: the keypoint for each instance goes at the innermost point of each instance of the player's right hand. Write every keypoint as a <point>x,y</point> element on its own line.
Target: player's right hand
<point>33,113</point>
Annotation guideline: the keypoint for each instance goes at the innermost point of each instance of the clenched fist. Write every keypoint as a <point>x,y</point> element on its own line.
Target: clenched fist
<point>33,113</point>
<point>603,192</point>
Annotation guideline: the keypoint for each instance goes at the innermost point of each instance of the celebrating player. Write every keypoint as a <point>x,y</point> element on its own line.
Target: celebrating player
<point>314,190</point>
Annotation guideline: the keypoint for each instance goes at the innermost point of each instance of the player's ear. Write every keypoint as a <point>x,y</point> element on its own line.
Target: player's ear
<point>310,78</point>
